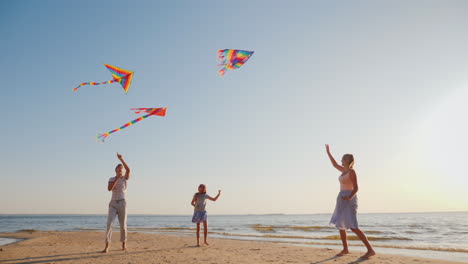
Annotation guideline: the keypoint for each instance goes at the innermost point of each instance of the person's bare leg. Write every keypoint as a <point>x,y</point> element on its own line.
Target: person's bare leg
<point>205,231</point>
<point>198,234</point>
<point>344,240</point>
<point>362,236</point>
<point>106,249</point>
<point>124,248</point>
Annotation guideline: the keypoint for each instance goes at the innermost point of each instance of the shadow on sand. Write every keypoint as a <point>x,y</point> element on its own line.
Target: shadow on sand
<point>332,259</point>
<point>81,256</point>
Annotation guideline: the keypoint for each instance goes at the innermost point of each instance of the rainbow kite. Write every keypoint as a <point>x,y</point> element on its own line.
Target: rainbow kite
<point>232,59</point>
<point>121,76</point>
<point>150,111</point>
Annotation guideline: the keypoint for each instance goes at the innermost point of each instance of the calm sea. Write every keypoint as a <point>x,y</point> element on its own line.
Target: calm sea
<point>429,235</point>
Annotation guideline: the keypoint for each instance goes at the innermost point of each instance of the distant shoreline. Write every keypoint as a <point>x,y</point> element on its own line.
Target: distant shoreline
<point>103,214</point>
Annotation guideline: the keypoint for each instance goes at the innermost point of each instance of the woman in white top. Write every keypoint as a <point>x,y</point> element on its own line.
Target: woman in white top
<point>118,205</point>
<point>344,216</point>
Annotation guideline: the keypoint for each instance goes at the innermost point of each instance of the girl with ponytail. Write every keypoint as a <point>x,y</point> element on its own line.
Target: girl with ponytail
<point>345,214</point>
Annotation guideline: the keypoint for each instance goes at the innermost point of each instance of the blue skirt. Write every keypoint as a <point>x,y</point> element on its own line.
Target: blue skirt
<point>344,216</point>
<point>199,216</point>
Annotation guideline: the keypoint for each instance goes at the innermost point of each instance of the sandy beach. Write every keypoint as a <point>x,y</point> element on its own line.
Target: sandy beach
<point>85,247</point>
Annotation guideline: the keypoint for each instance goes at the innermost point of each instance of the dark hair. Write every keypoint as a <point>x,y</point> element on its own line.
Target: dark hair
<point>204,187</point>
<point>118,165</point>
<point>350,158</point>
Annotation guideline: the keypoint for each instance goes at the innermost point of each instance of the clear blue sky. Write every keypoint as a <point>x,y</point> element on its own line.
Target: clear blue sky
<point>384,80</point>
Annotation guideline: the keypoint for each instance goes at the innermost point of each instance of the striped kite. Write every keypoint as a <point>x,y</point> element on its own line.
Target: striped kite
<point>150,111</point>
<point>121,76</point>
<point>232,59</point>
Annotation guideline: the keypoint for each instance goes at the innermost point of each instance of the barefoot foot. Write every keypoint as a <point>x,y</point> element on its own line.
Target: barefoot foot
<point>106,250</point>
<point>206,243</point>
<point>368,254</point>
<point>343,252</point>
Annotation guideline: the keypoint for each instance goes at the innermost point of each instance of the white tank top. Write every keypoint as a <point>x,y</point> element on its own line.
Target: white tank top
<point>345,182</point>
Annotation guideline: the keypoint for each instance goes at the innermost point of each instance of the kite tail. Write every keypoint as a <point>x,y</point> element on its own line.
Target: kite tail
<point>221,54</point>
<point>222,71</point>
<point>92,83</point>
<point>222,62</point>
<point>226,57</point>
<point>102,137</point>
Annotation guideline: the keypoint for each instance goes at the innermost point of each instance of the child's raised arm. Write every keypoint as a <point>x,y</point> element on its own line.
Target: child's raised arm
<point>216,198</point>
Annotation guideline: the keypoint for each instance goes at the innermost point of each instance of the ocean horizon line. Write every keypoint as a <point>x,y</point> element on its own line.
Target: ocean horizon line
<point>247,214</point>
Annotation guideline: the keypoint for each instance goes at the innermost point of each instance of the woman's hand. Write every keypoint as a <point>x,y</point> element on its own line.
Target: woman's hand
<point>327,147</point>
<point>346,198</point>
<point>119,156</point>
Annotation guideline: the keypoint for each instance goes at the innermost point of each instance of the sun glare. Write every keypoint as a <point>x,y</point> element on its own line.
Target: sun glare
<point>445,134</point>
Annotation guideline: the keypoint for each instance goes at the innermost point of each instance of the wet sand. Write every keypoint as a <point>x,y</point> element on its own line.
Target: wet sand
<point>85,247</point>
